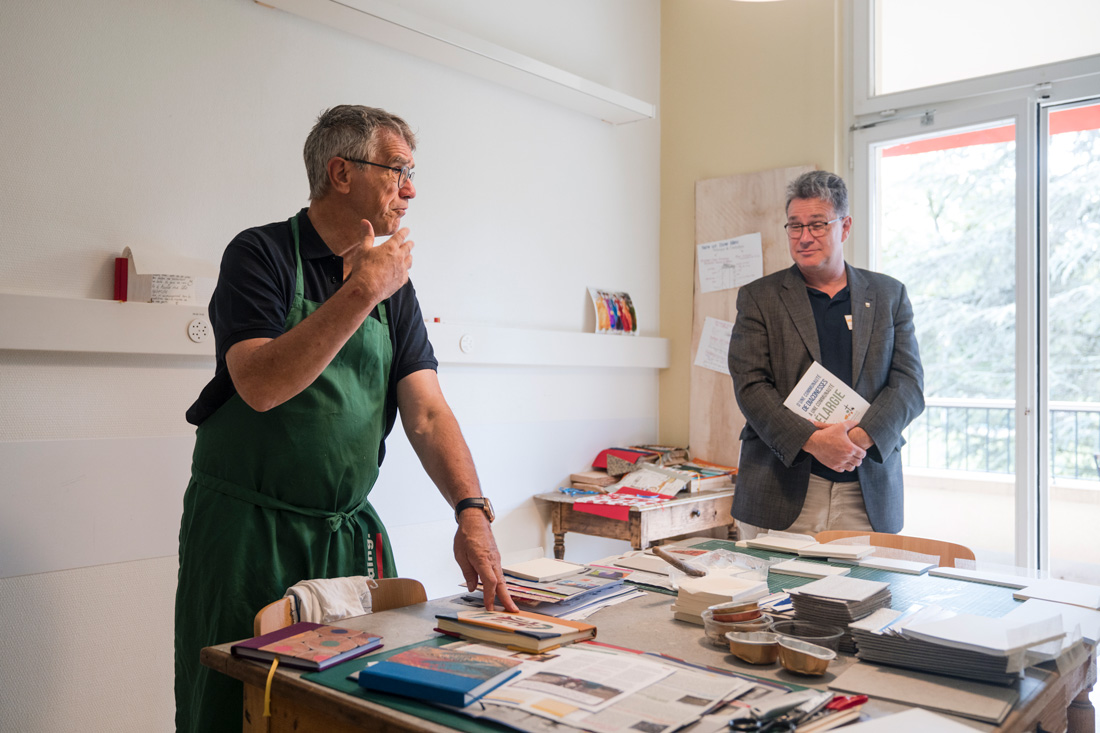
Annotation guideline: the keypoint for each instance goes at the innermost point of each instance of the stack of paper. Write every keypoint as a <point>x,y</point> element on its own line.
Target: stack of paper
<point>781,542</point>
<point>565,594</point>
<point>806,569</point>
<point>838,551</point>
<point>912,567</point>
<point>881,638</point>
<point>837,601</point>
<point>698,594</point>
<point>1062,591</point>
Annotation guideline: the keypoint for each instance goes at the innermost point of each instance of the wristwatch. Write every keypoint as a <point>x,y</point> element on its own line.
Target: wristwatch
<point>479,502</point>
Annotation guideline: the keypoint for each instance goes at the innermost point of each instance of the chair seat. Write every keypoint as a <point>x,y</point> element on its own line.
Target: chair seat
<point>390,593</point>
<point>948,552</point>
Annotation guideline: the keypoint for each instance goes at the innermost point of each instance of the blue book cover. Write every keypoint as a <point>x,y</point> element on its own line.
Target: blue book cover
<point>439,674</point>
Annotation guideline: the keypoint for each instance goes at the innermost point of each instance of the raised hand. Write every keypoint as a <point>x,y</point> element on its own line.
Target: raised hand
<point>381,270</point>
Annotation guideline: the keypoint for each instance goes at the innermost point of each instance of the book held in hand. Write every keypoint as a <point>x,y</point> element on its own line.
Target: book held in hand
<point>525,631</point>
<point>438,674</point>
<point>309,645</point>
<point>822,396</point>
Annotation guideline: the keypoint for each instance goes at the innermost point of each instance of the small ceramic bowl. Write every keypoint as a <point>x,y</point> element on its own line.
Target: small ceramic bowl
<point>754,647</point>
<point>819,634</point>
<point>802,657</point>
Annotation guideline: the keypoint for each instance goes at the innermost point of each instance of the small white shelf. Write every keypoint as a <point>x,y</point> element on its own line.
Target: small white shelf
<point>389,25</point>
<point>47,323</point>
<point>523,346</point>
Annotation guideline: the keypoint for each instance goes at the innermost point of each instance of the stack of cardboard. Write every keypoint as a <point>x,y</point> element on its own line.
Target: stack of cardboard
<point>696,595</point>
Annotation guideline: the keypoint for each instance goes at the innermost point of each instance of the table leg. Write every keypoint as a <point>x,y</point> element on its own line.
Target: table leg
<point>1081,714</point>
<point>559,545</point>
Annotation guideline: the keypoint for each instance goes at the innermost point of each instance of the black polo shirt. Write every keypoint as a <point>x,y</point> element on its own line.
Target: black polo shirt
<point>256,289</point>
<point>835,339</point>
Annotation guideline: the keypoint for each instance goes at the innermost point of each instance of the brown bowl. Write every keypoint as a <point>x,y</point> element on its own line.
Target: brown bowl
<point>754,647</point>
<point>716,630</point>
<point>727,618</point>
<point>802,657</point>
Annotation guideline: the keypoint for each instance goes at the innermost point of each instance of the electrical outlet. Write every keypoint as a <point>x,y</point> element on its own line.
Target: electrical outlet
<point>198,330</point>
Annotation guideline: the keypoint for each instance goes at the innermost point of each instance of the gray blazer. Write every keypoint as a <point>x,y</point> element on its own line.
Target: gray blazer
<point>774,342</point>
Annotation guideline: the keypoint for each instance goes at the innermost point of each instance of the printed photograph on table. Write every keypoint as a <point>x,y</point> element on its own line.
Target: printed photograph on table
<point>614,312</point>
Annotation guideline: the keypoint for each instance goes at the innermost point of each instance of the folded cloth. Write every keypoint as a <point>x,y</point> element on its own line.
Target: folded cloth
<point>324,600</point>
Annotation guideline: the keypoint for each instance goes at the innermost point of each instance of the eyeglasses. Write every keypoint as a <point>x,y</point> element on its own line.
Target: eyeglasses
<point>817,228</point>
<point>404,173</point>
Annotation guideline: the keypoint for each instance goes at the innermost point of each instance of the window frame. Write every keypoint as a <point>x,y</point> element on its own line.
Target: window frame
<point>1022,98</point>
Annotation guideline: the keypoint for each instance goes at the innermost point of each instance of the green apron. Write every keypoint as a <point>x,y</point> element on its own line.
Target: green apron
<point>277,497</point>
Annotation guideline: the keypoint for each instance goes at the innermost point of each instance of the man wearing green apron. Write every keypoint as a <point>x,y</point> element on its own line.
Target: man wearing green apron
<point>320,341</point>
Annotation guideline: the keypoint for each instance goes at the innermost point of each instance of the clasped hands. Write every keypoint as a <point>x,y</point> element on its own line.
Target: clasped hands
<point>840,446</point>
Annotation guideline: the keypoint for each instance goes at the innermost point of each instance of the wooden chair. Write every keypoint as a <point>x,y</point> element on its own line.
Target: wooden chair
<point>390,593</point>
<point>948,552</point>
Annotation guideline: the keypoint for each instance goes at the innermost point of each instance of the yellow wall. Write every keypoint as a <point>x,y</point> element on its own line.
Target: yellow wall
<point>744,87</point>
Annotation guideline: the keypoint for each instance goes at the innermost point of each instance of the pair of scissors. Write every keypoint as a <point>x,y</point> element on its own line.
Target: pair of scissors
<point>843,702</point>
<point>781,723</point>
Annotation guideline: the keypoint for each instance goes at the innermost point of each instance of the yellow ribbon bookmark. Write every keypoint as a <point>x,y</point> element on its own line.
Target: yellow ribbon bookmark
<point>267,687</point>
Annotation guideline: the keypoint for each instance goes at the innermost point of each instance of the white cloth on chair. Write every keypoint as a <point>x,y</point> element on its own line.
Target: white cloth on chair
<point>324,600</point>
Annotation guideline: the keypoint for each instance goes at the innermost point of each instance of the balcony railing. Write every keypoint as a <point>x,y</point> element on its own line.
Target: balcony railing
<point>980,435</point>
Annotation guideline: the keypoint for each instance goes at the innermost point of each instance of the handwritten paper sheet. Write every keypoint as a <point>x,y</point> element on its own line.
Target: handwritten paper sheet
<point>714,345</point>
<point>730,263</point>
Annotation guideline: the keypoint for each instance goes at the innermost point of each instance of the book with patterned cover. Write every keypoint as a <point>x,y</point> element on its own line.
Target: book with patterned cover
<point>309,645</point>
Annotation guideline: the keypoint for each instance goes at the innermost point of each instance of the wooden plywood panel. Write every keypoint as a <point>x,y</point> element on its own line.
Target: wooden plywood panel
<point>726,208</point>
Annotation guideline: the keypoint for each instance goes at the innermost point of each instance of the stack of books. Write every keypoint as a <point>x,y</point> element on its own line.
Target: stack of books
<point>524,631</point>
<point>839,600</point>
<point>595,480</point>
<point>704,474</point>
<point>557,588</point>
<point>932,639</point>
<point>696,595</point>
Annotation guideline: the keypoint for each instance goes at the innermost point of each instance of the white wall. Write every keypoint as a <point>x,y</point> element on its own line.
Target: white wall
<point>128,122</point>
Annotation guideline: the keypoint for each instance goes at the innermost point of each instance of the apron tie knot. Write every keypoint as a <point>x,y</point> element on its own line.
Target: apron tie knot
<point>338,520</point>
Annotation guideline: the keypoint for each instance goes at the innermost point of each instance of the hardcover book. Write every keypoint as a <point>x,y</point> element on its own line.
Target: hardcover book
<point>309,645</point>
<point>525,631</point>
<point>439,674</point>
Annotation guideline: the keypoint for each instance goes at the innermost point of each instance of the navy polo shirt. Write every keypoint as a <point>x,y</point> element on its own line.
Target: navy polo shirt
<point>256,289</point>
<point>835,339</point>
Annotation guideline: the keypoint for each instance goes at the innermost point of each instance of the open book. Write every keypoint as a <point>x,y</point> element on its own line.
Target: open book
<point>821,396</point>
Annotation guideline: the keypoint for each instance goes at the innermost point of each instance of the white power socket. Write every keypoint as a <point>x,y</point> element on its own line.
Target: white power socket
<point>198,330</point>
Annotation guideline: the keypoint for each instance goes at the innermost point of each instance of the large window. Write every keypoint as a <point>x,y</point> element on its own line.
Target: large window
<point>982,197</point>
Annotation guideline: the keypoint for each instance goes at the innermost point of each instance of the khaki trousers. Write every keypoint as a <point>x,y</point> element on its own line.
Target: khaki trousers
<point>828,505</point>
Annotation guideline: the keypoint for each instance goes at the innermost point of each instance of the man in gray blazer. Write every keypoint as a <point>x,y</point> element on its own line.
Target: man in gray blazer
<point>794,474</point>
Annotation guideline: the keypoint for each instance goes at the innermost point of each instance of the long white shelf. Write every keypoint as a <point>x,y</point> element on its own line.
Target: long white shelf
<point>389,25</point>
<point>47,323</point>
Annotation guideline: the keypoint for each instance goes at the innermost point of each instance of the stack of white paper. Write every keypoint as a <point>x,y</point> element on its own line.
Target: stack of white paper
<point>1062,591</point>
<point>832,549</point>
<point>781,542</point>
<point>697,594</point>
<point>805,569</point>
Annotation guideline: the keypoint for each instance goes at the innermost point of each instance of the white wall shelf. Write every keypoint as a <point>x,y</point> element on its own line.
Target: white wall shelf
<point>392,26</point>
<point>46,323</point>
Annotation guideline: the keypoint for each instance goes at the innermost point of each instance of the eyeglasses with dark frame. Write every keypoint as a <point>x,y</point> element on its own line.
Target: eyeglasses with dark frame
<point>404,173</point>
<point>817,228</point>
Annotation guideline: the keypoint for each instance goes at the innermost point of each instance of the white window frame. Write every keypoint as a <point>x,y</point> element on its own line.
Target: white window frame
<point>1013,97</point>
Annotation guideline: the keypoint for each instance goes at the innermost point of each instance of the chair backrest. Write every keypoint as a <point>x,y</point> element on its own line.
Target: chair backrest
<point>390,593</point>
<point>948,552</point>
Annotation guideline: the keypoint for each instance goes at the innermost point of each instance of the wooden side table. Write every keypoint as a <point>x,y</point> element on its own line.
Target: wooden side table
<point>686,514</point>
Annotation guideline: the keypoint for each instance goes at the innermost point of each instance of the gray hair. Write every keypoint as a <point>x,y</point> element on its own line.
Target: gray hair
<point>822,185</point>
<point>347,131</point>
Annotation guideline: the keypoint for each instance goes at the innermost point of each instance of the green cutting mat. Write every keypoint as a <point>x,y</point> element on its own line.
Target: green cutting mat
<point>957,595</point>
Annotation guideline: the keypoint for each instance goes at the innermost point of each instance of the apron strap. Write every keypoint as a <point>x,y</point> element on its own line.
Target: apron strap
<point>335,520</point>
